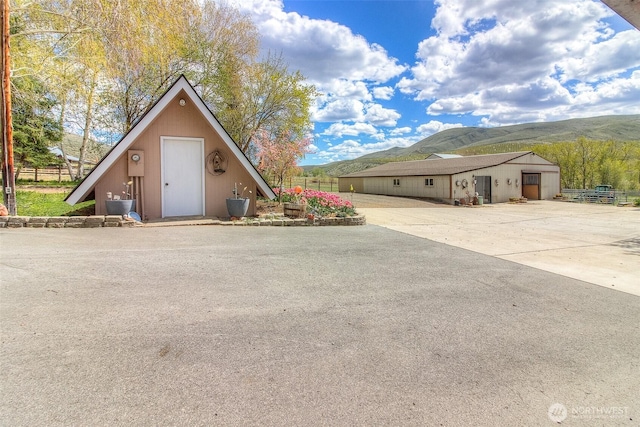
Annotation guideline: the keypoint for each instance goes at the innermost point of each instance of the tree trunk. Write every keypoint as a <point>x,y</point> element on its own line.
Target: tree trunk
<point>67,162</point>
<point>87,126</point>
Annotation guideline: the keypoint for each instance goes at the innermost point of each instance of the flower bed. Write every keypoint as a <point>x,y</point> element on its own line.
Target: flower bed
<point>320,203</point>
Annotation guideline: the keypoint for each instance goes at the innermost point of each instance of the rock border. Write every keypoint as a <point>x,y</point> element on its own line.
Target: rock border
<point>93,221</point>
<point>97,221</point>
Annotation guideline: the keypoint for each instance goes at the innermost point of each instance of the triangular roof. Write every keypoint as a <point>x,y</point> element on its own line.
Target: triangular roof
<point>438,166</point>
<point>85,187</point>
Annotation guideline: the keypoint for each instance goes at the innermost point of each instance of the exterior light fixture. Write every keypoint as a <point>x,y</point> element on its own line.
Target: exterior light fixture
<point>182,102</point>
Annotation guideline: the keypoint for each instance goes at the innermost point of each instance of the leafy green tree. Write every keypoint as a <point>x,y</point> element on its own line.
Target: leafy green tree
<point>107,62</point>
<point>586,163</point>
<point>318,172</point>
<point>34,125</point>
<point>276,100</point>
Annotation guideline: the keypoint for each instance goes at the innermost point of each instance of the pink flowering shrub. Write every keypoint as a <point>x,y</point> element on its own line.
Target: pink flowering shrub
<point>319,202</point>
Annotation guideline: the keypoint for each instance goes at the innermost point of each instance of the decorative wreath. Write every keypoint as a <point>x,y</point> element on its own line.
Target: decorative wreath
<point>216,163</point>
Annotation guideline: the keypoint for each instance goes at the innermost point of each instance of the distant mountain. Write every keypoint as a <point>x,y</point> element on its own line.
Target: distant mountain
<point>512,138</point>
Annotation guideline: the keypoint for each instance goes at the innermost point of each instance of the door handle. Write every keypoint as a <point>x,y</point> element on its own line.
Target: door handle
<point>166,184</point>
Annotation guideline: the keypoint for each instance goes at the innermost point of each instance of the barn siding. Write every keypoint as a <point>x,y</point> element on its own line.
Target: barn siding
<point>345,184</point>
<point>410,186</point>
<point>446,189</point>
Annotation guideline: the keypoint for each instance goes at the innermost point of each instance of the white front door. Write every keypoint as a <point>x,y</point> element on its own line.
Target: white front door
<point>182,176</point>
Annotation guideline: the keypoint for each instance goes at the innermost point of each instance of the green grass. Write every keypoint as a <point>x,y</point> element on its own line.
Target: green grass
<point>33,203</point>
<point>42,183</point>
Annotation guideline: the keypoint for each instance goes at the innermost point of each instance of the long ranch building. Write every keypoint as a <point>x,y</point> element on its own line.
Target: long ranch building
<point>494,177</point>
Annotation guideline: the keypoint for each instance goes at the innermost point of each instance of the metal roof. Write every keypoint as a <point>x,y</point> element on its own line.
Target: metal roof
<point>58,153</point>
<point>443,156</point>
<point>438,166</point>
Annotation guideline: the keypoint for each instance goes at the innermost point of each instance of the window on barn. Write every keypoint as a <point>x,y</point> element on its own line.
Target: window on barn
<point>428,182</point>
<point>530,179</point>
<point>396,182</point>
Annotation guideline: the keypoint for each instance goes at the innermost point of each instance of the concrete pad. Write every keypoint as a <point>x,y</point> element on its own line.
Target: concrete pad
<point>594,243</point>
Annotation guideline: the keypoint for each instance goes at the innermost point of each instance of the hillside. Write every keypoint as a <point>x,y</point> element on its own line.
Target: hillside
<point>512,138</point>
<point>72,143</point>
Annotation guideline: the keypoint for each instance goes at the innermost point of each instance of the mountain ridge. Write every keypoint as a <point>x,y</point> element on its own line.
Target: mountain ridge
<point>613,127</point>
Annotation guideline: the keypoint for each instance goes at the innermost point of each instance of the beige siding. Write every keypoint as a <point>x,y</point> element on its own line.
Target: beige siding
<point>409,186</point>
<point>345,184</point>
<point>177,121</point>
<point>501,189</point>
<point>506,182</point>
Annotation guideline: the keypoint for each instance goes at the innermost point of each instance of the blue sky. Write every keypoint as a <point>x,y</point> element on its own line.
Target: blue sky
<point>392,72</point>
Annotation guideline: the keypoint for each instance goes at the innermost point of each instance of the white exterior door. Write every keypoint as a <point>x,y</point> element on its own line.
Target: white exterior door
<point>182,176</point>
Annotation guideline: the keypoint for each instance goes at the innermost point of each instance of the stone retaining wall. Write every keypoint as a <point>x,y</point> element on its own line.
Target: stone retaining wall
<point>96,221</point>
<point>93,221</point>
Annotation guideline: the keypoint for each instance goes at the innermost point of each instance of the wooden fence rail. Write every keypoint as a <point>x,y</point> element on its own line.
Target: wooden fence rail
<point>320,184</point>
<point>48,174</point>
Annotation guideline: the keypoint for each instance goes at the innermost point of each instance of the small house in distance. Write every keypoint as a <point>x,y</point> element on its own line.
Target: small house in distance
<point>495,177</point>
<point>179,160</point>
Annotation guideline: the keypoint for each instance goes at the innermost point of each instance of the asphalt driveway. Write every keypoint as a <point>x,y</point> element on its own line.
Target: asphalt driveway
<point>302,326</point>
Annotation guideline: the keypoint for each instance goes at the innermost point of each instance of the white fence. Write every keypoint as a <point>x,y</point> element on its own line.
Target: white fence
<point>608,197</point>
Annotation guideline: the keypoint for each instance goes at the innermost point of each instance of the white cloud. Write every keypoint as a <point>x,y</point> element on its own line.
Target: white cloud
<point>434,127</point>
<point>322,50</point>
<point>340,109</point>
<point>346,89</point>
<point>605,59</point>
<point>610,97</point>
<point>502,61</point>
<point>380,116</point>
<point>383,92</point>
<point>351,149</point>
<point>512,61</point>
<point>313,148</point>
<point>400,131</point>
<point>342,129</point>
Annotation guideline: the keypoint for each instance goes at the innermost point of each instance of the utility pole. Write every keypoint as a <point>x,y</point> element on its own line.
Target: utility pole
<point>8,172</point>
